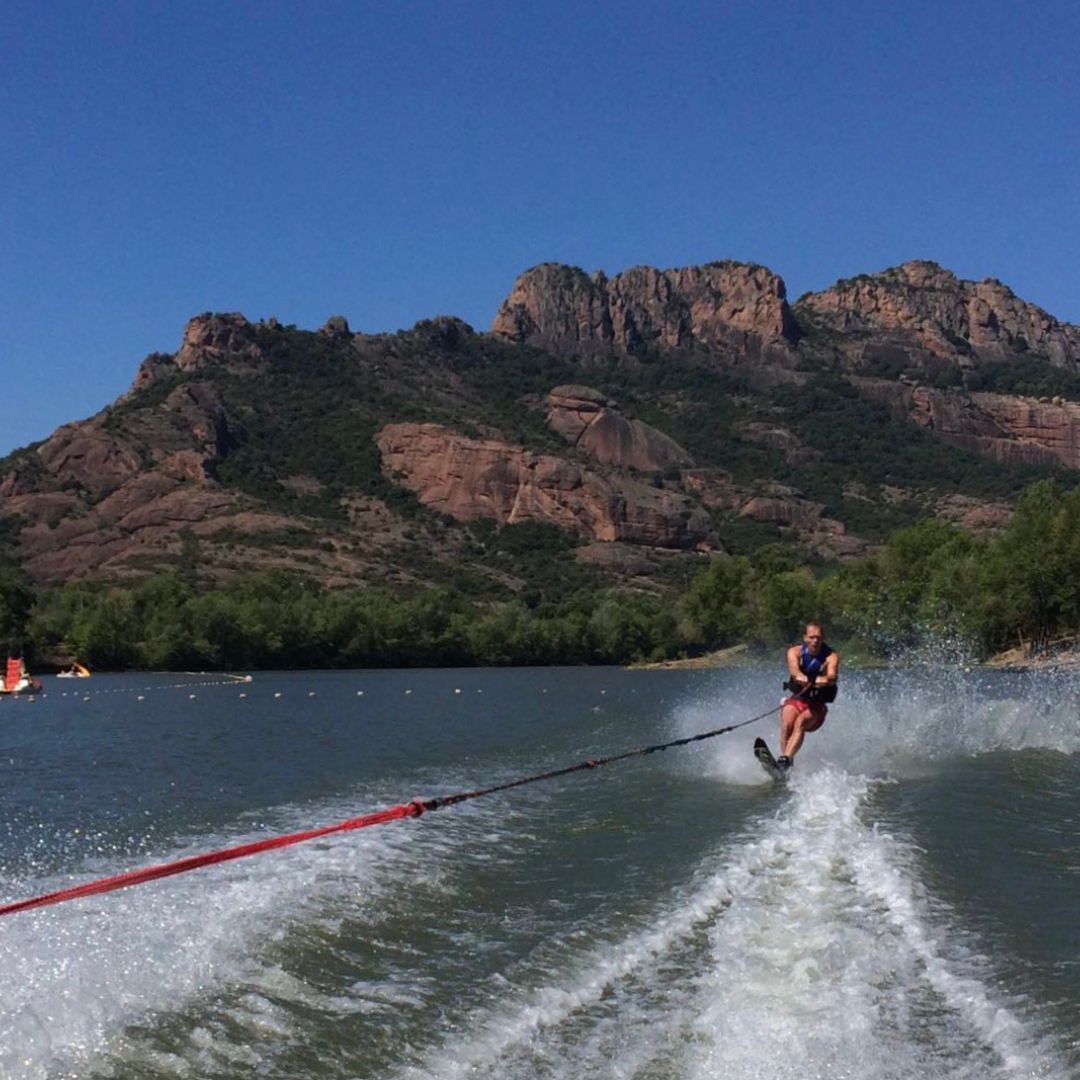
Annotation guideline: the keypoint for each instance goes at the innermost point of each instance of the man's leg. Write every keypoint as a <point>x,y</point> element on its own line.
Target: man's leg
<point>789,716</point>
<point>793,730</point>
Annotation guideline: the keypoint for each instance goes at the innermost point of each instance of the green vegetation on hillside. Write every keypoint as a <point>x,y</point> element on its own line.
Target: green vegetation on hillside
<point>315,414</point>
<point>859,445</point>
<point>317,403</point>
<point>862,445</point>
<point>931,582</point>
<point>1030,375</point>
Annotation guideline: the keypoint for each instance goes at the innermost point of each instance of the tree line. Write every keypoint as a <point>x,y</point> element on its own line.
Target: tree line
<point>930,582</point>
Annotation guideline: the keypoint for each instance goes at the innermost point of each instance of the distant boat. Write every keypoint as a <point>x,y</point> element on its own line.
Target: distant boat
<point>76,671</point>
<point>17,679</point>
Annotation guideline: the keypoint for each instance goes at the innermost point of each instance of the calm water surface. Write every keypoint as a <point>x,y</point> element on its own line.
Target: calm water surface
<point>906,907</point>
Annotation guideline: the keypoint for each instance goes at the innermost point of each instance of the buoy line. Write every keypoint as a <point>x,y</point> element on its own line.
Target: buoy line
<point>87,692</point>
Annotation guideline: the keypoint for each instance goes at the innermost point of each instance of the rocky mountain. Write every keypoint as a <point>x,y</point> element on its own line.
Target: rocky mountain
<point>925,311</point>
<point>723,303</point>
<point>633,424</point>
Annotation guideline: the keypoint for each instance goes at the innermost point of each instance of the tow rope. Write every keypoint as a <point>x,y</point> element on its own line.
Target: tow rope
<point>393,813</point>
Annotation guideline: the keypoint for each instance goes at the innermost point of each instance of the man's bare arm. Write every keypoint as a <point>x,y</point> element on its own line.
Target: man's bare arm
<point>832,667</point>
<point>793,664</point>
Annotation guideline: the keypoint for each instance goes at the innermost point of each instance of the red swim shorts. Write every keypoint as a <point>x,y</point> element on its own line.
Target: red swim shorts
<point>817,711</point>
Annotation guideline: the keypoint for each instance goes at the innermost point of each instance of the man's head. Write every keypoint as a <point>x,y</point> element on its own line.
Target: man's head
<point>813,637</point>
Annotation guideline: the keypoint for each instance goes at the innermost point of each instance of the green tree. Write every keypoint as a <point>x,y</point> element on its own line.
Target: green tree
<point>715,605</point>
<point>16,606</point>
<point>107,633</point>
<point>1027,576</point>
<point>783,604</point>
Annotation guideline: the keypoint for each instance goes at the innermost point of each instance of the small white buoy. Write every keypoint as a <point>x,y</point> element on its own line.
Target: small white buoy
<point>457,689</point>
<point>311,693</point>
<point>277,693</point>
<point>408,691</point>
<point>243,695</point>
<point>359,693</point>
<point>140,698</point>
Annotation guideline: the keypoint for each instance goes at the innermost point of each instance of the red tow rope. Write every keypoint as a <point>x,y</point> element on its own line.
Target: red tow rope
<point>405,810</point>
<point>193,862</point>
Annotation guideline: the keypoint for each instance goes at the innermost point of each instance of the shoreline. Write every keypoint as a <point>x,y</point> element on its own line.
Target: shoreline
<point>733,656</point>
<point>1058,657</point>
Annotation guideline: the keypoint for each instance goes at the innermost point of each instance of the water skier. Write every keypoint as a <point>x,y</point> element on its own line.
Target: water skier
<point>812,671</point>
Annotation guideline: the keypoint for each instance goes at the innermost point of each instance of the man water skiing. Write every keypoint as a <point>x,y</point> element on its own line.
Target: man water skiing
<point>812,668</point>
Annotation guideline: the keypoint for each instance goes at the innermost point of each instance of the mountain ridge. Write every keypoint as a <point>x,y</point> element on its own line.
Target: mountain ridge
<point>647,417</point>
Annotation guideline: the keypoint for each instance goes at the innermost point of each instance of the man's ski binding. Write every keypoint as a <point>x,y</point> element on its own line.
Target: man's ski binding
<point>777,768</point>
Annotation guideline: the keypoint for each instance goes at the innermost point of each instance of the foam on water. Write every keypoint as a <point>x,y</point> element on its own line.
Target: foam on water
<point>905,722</point>
<point>831,962</point>
<point>808,951</point>
<point>72,977</point>
<point>900,723</point>
<point>87,987</point>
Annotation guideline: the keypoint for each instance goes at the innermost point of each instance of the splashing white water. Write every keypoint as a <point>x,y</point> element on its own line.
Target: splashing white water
<point>899,723</point>
<point>72,976</point>
<point>808,953</point>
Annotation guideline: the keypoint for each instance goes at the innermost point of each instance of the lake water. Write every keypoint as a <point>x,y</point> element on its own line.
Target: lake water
<point>907,906</point>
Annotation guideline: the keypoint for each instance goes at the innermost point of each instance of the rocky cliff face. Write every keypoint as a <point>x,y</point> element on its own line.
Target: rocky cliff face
<point>115,492</point>
<point>209,341</point>
<point>486,478</point>
<point>562,308</point>
<point>1009,429</point>
<point>96,500</point>
<point>921,302</point>
<point>104,496</point>
<point>592,423</point>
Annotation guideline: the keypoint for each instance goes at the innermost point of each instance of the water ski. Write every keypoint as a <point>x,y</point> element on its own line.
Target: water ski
<point>768,762</point>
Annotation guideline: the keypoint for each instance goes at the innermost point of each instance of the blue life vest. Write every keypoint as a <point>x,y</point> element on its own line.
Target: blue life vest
<point>812,665</point>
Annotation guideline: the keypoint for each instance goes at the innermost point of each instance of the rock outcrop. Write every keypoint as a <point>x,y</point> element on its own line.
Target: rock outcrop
<point>89,457</point>
<point>592,423</point>
<point>724,303</point>
<point>216,339</point>
<point>1009,429</point>
<point>923,303</point>
<point>486,478</point>
<point>209,340</point>
<point>98,496</point>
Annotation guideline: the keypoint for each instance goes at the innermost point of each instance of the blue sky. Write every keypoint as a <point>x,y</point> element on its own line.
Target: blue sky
<point>395,161</point>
